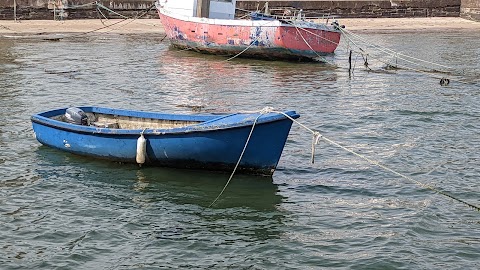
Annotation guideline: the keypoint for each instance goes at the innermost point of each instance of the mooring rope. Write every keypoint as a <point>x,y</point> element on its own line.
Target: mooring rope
<point>79,6</point>
<point>306,42</point>
<point>317,135</point>
<point>106,26</point>
<point>364,53</point>
<point>392,52</point>
<point>239,159</point>
<point>315,140</point>
<point>443,81</point>
<point>349,36</point>
<point>314,34</point>
<point>135,18</point>
<point>101,13</point>
<point>400,66</point>
<point>388,51</point>
<point>231,58</point>
<point>111,11</point>
<point>244,50</point>
<point>249,46</point>
<point>123,16</point>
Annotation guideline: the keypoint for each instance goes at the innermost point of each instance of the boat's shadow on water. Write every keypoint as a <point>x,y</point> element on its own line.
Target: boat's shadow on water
<point>177,186</point>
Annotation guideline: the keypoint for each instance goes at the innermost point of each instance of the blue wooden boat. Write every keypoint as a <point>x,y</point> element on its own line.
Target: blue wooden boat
<point>210,142</point>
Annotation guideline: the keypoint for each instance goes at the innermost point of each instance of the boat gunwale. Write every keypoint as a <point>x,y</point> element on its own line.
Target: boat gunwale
<point>208,125</point>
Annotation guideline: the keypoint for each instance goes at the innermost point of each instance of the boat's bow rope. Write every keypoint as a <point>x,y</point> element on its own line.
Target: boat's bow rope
<point>315,140</point>
<point>262,112</point>
<point>317,136</point>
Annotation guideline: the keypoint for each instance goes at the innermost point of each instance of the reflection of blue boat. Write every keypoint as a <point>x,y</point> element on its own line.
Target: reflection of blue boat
<point>211,142</point>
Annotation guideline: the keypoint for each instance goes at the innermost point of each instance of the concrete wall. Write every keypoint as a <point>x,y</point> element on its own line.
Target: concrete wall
<point>470,9</point>
<point>43,9</point>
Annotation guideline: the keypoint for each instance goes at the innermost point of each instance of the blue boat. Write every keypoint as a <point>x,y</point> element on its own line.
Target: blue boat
<point>208,142</point>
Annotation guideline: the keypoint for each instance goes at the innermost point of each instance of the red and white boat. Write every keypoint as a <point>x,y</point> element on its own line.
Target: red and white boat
<point>210,26</point>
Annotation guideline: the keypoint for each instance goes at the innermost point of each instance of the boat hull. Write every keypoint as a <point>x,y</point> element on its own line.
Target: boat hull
<point>216,146</point>
<point>266,39</point>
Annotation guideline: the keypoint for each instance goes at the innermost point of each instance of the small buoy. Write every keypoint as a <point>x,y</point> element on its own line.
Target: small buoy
<point>141,150</point>
<point>444,81</point>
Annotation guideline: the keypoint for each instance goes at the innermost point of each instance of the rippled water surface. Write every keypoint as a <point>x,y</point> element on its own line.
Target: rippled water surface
<point>61,211</point>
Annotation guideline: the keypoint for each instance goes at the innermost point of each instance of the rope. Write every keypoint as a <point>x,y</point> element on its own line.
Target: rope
<point>266,25</point>
<point>114,12</point>
<point>364,54</point>
<point>101,13</point>
<point>244,50</point>
<point>239,159</point>
<point>317,136</point>
<point>233,57</point>
<point>392,52</point>
<point>399,66</point>
<point>107,26</point>
<point>397,55</point>
<point>249,46</point>
<point>314,34</point>
<point>79,6</point>
<point>386,50</point>
<point>135,18</point>
<point>304,40</point>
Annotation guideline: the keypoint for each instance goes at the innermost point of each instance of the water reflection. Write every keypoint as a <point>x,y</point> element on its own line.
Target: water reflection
<point>7,65</point>
<point>161,203</point>
<point>200,188</point>
<point>199,83</point>
<point>60,207</point>
<point>210,83</point>
<point>181,187</point>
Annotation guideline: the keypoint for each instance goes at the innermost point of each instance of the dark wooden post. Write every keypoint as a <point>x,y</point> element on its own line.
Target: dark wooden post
<point>350,63</point>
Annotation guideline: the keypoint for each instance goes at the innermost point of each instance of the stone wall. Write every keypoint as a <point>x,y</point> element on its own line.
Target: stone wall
<point>470,9</point>
<point>80,9</point>
<point>366,8</point>
<point>73,9</point>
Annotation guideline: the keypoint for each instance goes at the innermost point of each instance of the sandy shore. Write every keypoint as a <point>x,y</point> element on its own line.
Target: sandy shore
<point>81,26</point>
<point>154,25</point>
<point>409,24</point>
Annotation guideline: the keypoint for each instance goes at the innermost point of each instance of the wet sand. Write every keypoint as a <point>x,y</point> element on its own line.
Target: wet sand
<point>37,27</point>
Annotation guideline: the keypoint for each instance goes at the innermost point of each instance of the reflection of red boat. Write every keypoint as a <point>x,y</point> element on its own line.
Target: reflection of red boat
<point>211,28</point>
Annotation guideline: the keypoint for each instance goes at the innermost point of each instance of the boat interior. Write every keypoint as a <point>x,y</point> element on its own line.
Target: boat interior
<point>127,122</point>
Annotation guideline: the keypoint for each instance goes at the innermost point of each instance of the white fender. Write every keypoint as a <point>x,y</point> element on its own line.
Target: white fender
<point>141,150</point>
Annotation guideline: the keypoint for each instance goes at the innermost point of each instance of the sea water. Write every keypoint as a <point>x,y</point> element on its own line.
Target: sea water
<point>62,211</point>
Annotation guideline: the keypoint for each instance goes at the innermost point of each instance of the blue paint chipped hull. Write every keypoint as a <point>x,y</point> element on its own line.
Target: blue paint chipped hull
<point>213,142</point>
